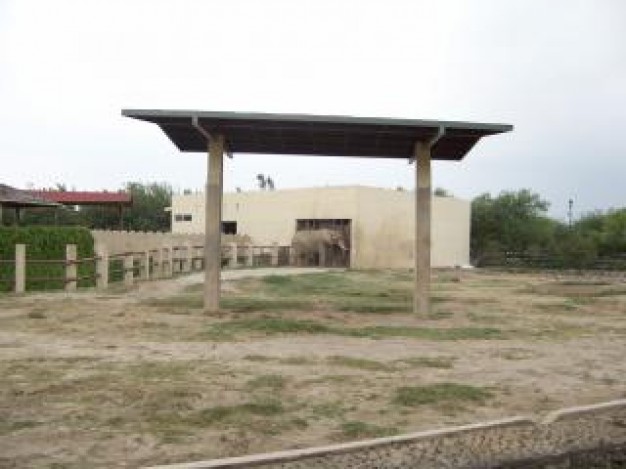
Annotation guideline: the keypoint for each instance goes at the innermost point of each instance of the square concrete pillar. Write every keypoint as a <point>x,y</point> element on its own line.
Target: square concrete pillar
<point>70,268</point>
<point>102,266</point>
<point>421,296</point>
<point>20,268</point>
<point>129,269</point>
<point>213,224</point>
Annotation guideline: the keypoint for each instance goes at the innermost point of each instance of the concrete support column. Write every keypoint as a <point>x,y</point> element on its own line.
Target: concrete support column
<point>213,224</point>
<point>102,266</point>
<point>421,296</point>
<point>274,254</point>
<point>70,267</point>
<point>129,274</point>
<point>20,268</point>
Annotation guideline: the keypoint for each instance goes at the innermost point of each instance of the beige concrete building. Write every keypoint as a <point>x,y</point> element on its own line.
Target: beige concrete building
<point>379,222</point>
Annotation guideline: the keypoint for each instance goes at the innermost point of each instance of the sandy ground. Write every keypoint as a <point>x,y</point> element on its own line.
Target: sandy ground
<point>116,380</point>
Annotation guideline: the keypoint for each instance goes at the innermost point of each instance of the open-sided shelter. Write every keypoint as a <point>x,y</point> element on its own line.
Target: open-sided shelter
<point>18,200</point>
<point>221,133</point>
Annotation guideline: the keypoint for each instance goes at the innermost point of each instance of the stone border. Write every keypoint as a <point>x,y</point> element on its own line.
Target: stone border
<point>485,444</point>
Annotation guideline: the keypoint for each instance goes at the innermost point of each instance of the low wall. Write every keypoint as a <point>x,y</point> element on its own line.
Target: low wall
<point>582,437</point>
<point>120,242</point>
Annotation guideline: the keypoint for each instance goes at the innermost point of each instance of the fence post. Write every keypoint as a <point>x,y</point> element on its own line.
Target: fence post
<point>20,268</point>
<point>157,267</point>
<point>102,266</point>
<point>274,254</point>
<point>70,267</point>
<point>166,261</point>
<point>146,266</point>
<point>233,256</point>
<point>250,258</point>
<point>188,258</point>
<point>322,254</point>
<point>129,273</point>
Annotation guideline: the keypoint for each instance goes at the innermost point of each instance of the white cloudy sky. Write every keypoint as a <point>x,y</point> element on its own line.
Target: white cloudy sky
<point>556,69</point>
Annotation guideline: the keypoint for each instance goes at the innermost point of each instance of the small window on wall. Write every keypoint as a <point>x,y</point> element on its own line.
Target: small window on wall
<point>182,217</point>
<point>229,227</point>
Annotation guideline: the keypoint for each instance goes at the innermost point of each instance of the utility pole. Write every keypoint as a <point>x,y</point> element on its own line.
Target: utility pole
<point>569,212</point>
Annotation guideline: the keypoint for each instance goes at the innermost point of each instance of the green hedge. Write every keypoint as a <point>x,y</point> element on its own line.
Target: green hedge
<point>45,243</point>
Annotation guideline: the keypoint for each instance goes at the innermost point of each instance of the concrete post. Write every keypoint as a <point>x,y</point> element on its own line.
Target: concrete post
<point>249,255</point>
<point>421,296</point>
<point>174,258</point>
<point>129,274</point>
<point>322,254</point>
<point>102,266</point>
<point>213,224</point>
<point>164,261</point>
<point>274,254</point>
<point>145,271</point>
<point>157,260</point>
<point>20,268</point>
<point>187,266</point>
<point>70,267</point>
<point>232,263</point>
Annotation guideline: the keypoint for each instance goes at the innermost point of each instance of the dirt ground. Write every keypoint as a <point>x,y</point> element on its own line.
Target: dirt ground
<point>141,376</point>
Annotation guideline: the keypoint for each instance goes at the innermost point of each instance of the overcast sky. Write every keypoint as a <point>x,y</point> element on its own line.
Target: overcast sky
<point>554,69</point>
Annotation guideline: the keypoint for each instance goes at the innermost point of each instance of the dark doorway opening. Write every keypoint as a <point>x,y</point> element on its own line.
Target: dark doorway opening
<point>229,227</point>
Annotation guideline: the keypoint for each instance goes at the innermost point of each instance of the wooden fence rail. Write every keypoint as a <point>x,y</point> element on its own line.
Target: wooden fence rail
<point>127,267</point>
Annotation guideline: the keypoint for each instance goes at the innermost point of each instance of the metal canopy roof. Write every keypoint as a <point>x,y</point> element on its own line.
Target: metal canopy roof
<point>297,134</point>
<point>12,197</point>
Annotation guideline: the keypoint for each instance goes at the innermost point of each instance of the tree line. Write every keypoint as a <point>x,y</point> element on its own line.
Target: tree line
<point>515,225</point>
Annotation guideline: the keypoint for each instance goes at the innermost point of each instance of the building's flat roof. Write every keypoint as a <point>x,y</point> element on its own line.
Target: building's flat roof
<point>84,197</point>
<point>298,134</point>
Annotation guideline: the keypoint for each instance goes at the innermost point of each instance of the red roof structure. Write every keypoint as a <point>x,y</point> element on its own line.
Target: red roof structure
<point>84,197</point>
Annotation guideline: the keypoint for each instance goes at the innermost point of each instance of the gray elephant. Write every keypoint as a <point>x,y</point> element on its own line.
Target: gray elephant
<point>320,247</point>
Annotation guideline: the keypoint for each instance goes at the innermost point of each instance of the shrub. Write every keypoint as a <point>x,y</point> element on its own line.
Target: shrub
<point>45,243</point>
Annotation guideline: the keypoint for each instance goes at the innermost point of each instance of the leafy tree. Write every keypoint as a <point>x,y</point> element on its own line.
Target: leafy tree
<point>147,212</point>
<point>512,221</point>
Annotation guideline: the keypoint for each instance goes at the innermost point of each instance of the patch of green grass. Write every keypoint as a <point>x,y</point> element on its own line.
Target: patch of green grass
<point>236,413</point>
<point>429,362</point>
<point>330,409</point>
<point>360,363</point>
<point>356,430</point>
<point>413,396</point>
<point>7,427</point>
<point>368,305</point>
<point>271,382</point>
<point>430,333</point>
<point>177,301</point>
<point>297,360</point>
<point>246,304</point>
<point>278,325</point>
<point>516,354</point>
<point>436,315</point>
<point>280,280</point>
<point>258,358</point>
<point>266,326</point>
<point>36,314</point>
